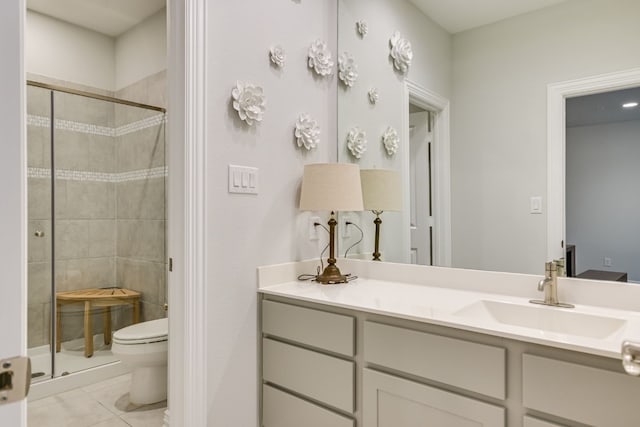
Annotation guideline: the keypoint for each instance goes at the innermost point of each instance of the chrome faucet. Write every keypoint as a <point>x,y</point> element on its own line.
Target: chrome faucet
<point>550,287</point>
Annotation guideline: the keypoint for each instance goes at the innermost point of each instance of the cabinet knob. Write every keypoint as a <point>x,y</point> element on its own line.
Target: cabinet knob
<point>39,233</point>
<point>631,358</point>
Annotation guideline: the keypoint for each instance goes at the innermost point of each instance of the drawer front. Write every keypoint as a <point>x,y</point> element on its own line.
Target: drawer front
<point>329,331</point>
<point>324,378</point>
<point>389,401</point>
<point>280,409</point>
<point>580,393</point>
<point>528,421</point>
<point>475,367</point>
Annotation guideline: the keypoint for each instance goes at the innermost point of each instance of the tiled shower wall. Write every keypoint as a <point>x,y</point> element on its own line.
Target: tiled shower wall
<point>110,213</point>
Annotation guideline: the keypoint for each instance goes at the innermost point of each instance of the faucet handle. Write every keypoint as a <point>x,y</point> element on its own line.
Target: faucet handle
<point>550,266</point>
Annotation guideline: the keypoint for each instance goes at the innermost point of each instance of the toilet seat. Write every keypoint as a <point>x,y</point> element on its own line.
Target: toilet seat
<point>143,333</point>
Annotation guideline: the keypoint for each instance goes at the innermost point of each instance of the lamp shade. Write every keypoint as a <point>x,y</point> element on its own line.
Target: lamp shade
<point>381,190</point>
<point>331,187</point>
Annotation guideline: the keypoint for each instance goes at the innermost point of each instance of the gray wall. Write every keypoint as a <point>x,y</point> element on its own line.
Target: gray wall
<point>430,68</point>
<point>499,127</point>
<point>602,197</point>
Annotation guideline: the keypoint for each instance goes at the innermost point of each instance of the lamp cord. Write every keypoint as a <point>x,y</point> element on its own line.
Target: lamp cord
<point>356,243</point>
<point>320,268</point>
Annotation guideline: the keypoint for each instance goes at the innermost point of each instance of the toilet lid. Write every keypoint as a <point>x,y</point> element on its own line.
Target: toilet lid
<point>145,332</point>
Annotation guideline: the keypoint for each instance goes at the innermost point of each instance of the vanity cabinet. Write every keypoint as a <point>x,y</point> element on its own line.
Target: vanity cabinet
<point>333,367</point>
<point>392,401</point>
<point>308,371</point>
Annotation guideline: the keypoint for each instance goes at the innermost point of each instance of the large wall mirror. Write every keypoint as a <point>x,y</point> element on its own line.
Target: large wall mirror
<point>470,113</point>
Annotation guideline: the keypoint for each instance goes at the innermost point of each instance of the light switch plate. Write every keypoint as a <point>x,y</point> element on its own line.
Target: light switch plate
<point>243,179</point>
<point>535,205</point>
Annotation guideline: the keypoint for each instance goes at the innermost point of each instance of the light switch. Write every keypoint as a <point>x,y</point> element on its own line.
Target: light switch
<point>535,205</point>
<point>243,179</point>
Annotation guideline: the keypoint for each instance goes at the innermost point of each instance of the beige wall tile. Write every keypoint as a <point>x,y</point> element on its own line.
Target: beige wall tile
<point>39,283</point>
<point>71,239</point>
<point>86,273</point>
<point>141,239</point>
<point>38,147</point>
<point>142,199</point>
<point>143,149</point>
<point>85,200</point>
<point>39,198</point>
<point>35,324</point>
<point>39,248</point>
<point>149,278</point>
<point>38,101</point>
<point>82,109</point>
<point>102,238</point>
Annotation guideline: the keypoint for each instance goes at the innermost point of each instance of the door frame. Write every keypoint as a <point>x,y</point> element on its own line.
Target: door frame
<point>187,290</point>
<point>429,100</point>
<point>13,215</point>
<point>557,93</point>
<point>186,202</point>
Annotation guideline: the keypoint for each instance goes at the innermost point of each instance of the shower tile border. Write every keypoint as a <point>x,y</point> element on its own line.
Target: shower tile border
<point>71,175</point>
<point>43,121</point>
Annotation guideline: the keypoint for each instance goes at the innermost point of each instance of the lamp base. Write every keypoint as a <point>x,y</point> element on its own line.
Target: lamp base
<point>331,276</point>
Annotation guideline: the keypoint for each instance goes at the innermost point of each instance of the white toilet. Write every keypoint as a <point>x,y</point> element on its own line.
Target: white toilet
<point>143,349</point>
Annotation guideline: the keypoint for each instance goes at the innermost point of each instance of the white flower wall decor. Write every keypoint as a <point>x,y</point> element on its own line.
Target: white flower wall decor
<point>374,96</point>
<point>278,56</point>
<point>347,69</point>
<point>390,140</point>
<point>401,52</point>
<point>320,58</point>
<point>357,142</point>
<point>249,101</point>
<point>307,132</point>
<point>362,27</point>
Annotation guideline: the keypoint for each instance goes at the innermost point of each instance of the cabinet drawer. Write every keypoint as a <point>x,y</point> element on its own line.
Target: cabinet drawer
<point>528,421</point>
<point>475,367</point>
<point>389,401</point>
<point>580,393</point>
<point>280,409</point>
<point>329,331</point>
<point>318,376</point>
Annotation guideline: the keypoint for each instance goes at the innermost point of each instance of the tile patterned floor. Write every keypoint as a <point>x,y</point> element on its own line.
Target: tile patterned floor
<point>105,404</point>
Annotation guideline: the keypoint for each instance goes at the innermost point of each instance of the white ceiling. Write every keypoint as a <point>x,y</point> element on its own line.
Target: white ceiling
<point>110,17</point>
<point>460,15</point>
<point>602,108</point>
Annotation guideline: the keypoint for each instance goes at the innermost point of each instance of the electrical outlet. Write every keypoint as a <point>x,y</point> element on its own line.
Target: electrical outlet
<point>313,230</point>
<point>346,230</point>
<point>607,262</point>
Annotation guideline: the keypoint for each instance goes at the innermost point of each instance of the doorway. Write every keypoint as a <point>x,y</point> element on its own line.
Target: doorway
<point>420,185</point>
<point>557,95</point>
<point>427,187</point>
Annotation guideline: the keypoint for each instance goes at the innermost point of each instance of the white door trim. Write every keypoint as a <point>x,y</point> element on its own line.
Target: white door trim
<point>13,215</point>
<point>557,93</point>
<point>430,100</point>
<point>187,291</point>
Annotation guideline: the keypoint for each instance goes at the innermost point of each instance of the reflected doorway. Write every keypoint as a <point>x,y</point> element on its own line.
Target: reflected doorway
<point>420,185</point>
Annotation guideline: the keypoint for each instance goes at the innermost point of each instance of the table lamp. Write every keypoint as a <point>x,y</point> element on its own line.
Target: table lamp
<point>381,191</point>
<point>331,187</point>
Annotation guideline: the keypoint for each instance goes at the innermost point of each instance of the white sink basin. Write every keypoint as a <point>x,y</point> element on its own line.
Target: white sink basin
<point>543,318</point>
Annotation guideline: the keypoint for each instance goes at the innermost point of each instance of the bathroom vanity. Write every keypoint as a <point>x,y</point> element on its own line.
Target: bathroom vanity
<point>454,347</point>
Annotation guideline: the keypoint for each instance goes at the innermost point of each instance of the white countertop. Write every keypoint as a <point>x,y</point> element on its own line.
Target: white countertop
<point>429,301</point>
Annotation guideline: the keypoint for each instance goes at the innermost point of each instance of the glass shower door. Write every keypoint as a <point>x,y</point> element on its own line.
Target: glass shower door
<point>40,231</point>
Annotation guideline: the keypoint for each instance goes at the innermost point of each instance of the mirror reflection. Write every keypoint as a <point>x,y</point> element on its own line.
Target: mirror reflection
<point>475,96</point>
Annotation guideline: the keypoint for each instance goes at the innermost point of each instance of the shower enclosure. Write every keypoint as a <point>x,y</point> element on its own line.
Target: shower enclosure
<point>96,214</point>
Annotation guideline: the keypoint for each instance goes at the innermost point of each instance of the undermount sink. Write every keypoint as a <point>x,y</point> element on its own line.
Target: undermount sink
<point>542,318</point>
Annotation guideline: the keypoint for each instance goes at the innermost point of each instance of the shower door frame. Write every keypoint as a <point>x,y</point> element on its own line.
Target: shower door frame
<point>53,330</point>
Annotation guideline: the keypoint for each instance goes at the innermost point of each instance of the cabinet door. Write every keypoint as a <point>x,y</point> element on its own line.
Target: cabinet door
<point>389,401</point>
